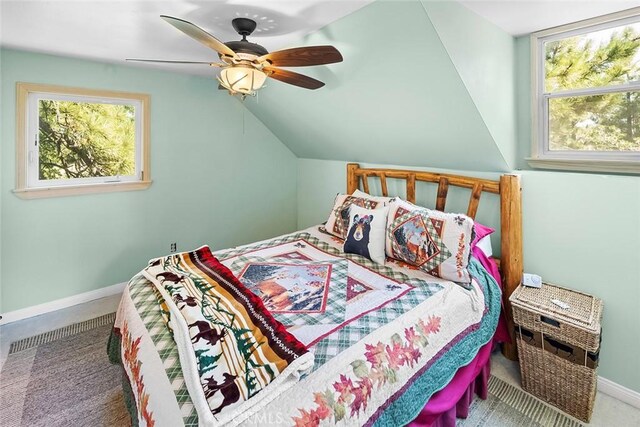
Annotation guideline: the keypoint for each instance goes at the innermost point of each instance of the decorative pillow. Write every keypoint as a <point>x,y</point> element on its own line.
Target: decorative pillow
<point>338,221</point>
<point>363,195</point>
<point>437,242</point>
<point>367,233</point>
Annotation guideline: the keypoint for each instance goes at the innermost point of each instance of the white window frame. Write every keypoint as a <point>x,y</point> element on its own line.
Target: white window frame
<point>28,183</point>
<point>591,161</point>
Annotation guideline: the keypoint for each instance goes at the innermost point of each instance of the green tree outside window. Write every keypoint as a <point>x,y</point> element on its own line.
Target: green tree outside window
<point>598,122</point>
<point>84,140</point>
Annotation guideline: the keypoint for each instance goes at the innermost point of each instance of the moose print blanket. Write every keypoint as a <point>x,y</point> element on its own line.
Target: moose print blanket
<point>235,356</point>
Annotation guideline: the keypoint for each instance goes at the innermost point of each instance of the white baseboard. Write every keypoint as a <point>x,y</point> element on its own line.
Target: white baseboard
<point>48,307</point>
<point>619,392</point>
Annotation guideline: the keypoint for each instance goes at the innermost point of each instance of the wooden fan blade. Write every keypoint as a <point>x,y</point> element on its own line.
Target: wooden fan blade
<point>199,34</point>
<point>303,56</point>
<point>293,78</point>
<point>213,64</point>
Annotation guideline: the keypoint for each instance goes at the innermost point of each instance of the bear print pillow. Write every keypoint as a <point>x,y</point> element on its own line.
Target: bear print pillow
<point>338,221</point>
<point>366,233</point>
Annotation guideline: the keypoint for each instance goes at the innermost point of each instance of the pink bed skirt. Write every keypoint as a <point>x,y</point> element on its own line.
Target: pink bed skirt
<point>454,400</point>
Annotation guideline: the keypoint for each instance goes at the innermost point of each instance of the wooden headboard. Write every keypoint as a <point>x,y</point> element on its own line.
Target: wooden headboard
<point>510,192</point>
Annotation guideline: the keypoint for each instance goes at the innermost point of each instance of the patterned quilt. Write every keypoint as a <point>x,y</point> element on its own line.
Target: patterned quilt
<point>400,334</point>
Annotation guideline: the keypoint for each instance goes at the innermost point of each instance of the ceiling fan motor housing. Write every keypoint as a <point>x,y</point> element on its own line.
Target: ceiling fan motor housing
<point>243,46</point>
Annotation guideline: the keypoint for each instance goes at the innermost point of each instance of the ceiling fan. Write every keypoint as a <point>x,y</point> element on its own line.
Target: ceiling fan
<point>245,65</point>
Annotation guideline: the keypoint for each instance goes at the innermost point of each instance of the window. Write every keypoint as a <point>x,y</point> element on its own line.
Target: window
<point>586,95</point>
<point>78,141</point>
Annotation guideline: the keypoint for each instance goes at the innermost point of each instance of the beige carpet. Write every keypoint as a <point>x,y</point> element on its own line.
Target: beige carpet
<point>63,378</point>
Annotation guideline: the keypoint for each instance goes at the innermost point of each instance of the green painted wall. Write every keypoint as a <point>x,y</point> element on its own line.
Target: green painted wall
<point>582,231</point>
<point>483,55</point>
<point>213,184</point>
<point>523,100</point>
<point>397,97</point>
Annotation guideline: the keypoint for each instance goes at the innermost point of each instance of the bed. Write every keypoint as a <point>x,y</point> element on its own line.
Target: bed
<point>392,345</point>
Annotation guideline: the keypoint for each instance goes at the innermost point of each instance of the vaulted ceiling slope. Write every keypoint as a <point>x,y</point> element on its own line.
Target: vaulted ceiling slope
<point>483,55</point>
<point>398,97</point>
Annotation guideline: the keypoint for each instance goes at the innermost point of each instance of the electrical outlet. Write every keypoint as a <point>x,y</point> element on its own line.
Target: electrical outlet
<point>174,247</point>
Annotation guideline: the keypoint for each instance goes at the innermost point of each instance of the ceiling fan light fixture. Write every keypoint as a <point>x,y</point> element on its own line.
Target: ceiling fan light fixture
<point>246,65</point>
<point>245,80</point>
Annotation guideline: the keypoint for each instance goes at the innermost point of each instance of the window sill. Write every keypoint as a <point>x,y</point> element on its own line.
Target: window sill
<point>74,190</point>
<point>581,165</point>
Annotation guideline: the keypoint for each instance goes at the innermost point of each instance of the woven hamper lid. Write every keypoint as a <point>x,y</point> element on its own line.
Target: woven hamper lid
<point>584,310</point>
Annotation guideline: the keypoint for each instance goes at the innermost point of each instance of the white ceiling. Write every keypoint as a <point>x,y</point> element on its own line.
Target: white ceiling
<point>117,29</point>
<point>114,30</point>
<point>519,17</point>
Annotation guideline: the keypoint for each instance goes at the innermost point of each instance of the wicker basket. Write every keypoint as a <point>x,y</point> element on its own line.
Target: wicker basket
<point>558,349</point>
